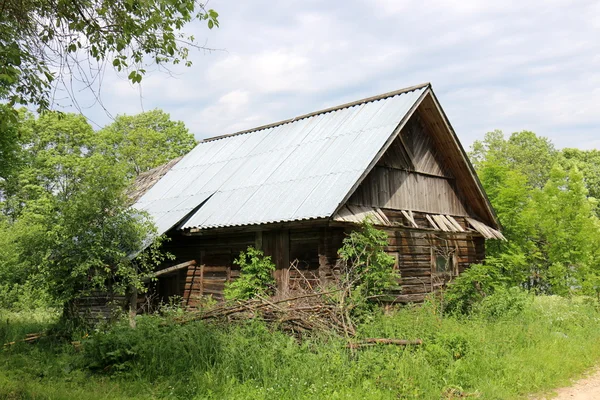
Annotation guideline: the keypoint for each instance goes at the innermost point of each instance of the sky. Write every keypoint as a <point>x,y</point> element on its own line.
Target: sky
<point>507,64</point>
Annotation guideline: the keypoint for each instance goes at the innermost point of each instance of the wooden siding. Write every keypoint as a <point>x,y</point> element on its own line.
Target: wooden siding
<point>415,252</point>
<point>412,175</point>
<point>453,158</point>
<point>315,250</point>
<point>414,150</point>
<point>403,190</point>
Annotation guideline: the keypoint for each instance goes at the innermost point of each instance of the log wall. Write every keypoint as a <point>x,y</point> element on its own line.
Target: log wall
<point>416,252</point>
<point>313,250</point>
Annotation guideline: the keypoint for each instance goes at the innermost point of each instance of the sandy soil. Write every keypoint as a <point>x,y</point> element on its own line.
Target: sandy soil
<point>587,388</point>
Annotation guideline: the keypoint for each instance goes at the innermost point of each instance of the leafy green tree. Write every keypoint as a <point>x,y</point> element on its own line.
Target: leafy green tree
<point>52,147</point>
<point>545,210</point>
<point>10,145</point>
<point>68,224</point>
<point>42,40</point>
<point>92,237</point>
<point>144,141</point>
<point>525,152</point>
<point>588,162</point>
<point>567,231</point>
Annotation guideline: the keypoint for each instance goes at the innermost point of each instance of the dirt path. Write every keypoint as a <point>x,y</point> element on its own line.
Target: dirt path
<point>587,388</point>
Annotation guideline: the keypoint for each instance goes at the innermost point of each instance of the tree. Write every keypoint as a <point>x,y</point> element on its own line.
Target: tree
<point>546,213</point>
<point>91,238</point>
<point>588,162</point>
<point>144,141</point>
<point>10,145</point>
<point>70,226</point>
<point>523,151</point>
<point>51,149</point>
<point>567,231</point>
<point>43,41</point>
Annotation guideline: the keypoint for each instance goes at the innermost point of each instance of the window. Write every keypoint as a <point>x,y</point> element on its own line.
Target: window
<point>443,262</point>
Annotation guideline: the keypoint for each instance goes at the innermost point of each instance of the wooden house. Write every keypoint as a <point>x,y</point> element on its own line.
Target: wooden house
<point>295,188</point>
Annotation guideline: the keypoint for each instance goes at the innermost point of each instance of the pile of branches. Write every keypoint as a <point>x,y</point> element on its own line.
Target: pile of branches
<point>308,306</point>
<point>295,314</point>
<point>303,309</point>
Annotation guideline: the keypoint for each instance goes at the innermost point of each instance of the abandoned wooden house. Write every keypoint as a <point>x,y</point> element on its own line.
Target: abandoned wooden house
<point>295,187</point>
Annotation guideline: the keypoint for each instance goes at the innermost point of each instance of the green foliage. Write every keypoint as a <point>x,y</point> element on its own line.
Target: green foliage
<point>471,287</point>
<point>10,142</point>
<point>549,341</point>
<point>67,227</point>
<point>143,141</point>
<point>546,211</point>
<point>120,349</point>
<point>256,276</point>
<point>368,268</point>
<point>524,152</point>
<point>40,41</point>
<point>588,162</point>
<point>503,303</point>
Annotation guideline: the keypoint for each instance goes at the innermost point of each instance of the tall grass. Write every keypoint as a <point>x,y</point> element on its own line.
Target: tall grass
<point>548,341</point>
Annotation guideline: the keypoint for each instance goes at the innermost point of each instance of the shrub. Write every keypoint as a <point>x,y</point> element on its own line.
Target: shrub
<point>367,270</point>
<point>366,264</point>
<point>471,287</point>
<point>154,348</point>
<point>503,303</point>
<point>256,276</point>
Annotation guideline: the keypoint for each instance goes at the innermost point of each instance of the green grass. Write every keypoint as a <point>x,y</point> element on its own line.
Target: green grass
<point>541,347</point>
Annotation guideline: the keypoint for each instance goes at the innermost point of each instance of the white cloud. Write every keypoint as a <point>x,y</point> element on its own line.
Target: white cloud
<point>510,64</point>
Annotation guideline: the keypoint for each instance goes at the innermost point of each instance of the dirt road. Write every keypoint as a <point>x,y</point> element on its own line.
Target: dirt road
<point>587,388</point>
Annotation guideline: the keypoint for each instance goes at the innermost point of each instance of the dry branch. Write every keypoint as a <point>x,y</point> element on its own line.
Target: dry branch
<point>374,341</point>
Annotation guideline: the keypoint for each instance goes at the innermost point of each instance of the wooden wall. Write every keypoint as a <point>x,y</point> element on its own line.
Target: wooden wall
<point>415,252</point>
<point>312,249</point>
<point>315,249</point>
<point>412,175</point>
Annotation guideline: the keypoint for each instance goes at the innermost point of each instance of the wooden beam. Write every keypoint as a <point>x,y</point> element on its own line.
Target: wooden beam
<point>258,240</point>
<point>455,223</point>
<point>410,218</point>
<point>432,222</point>
<point>417,172</point>
<point>440,222</point>
<point>171,269</point>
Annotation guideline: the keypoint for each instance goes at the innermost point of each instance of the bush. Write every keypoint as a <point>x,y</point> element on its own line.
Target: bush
<point>503,303</point>
<point>256,276</point>
<point>155,348</point>
<point>29,295</point>
<point>366,264</point>
<point>471,287</point>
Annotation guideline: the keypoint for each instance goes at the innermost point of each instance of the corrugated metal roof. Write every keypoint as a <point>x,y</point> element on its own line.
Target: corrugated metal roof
<point>294,170</point>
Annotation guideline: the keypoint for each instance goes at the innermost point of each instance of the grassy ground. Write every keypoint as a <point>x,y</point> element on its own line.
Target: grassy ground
<point>485,356</point>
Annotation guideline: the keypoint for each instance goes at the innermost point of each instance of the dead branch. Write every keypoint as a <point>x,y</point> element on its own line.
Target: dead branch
<point>374,341</point>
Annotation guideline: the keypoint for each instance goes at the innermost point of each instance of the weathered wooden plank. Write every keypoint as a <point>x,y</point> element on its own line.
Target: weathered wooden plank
<point>173,268</point>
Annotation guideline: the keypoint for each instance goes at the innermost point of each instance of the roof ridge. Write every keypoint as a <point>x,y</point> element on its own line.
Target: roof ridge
<point>323,111</point>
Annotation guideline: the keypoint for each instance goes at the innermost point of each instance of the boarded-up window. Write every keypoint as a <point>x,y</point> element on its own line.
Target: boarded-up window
<point>444,261</point>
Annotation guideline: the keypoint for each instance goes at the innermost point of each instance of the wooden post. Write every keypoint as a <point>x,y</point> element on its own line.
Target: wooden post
<point>282,260</point>
<point>258,240</point>
<point>324,262</point>
<point>132,306</point>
